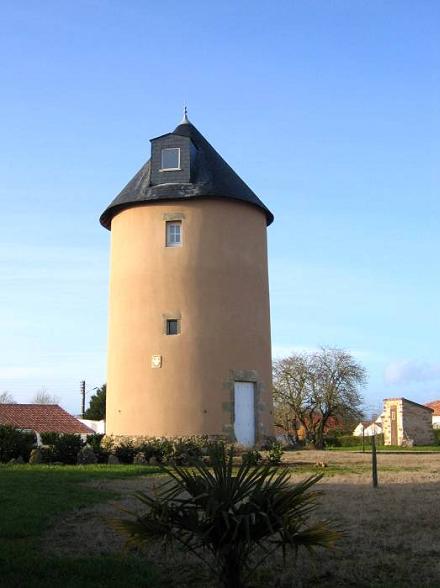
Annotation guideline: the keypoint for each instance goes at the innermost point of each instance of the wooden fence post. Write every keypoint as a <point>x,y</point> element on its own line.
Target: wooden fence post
<point>374,460</point>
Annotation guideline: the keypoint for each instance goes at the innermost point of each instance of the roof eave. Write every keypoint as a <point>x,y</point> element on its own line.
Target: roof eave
<point>107,216</point>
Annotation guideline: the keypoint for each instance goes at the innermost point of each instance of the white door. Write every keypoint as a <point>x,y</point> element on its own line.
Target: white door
<point>244,411</point>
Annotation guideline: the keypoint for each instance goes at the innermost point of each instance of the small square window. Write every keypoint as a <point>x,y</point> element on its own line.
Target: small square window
<point>172,327</point>
<point>173,233</point>
<point>170,159</point>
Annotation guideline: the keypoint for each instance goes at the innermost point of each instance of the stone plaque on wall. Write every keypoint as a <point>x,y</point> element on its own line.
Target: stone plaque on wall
<point>156,361</point>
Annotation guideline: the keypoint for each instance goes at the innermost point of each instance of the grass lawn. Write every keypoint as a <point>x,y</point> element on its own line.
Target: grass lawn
<point>33,497</point>
<point>390,448</point>
<point>51,520</point>
<point>331,469</point>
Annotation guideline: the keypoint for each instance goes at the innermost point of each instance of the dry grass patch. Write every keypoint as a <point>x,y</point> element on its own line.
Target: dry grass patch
<point>392,539</point>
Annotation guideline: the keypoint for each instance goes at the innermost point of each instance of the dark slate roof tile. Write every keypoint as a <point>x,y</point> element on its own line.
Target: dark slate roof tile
<point>211,177</point>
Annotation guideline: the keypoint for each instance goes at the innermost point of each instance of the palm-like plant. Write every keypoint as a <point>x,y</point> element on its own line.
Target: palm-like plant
<point>231,514</point>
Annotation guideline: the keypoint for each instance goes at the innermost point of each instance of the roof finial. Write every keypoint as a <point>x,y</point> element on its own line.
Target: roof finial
<point>185,119</point>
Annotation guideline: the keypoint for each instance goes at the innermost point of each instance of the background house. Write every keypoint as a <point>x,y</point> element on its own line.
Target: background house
<point>368,428</point>
<point>407,423</point>
<point>42,418</point>
<point>435,405</point>
<point>97,426</point>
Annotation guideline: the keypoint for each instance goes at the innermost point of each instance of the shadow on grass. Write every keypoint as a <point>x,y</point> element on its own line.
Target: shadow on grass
<point>94,572</point>
<point>31,498</point>
<point>392,537</point>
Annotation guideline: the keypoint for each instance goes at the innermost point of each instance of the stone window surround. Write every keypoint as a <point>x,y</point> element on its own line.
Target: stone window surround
<point>175,316</point>
<point>259,406</point>
<point>169,217</point>
<point>173,233</point>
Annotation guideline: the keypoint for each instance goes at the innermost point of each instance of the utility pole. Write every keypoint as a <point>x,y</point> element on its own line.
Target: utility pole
<point>83,397</point>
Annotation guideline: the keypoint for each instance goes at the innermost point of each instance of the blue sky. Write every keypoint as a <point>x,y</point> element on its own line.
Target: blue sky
<point>329,110</point>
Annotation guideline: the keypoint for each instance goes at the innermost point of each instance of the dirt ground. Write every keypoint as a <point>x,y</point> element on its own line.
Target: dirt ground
<point>392,532</point>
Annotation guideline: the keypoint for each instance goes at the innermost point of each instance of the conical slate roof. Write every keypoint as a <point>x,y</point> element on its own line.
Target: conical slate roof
<point>211,177</point>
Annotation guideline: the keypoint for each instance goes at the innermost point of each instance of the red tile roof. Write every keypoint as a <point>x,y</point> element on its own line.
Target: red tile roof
<point>41,418</point>
<point>435,405</point>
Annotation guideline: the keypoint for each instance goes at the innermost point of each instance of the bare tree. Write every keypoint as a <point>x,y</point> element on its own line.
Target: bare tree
<point>6,398</point>
<point>284,419</point>
<point>44,397</point>
<point>312,388</point>
<point>291,377</point>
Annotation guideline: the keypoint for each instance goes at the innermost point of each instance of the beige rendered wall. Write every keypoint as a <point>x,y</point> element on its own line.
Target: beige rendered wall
<point>217,284</point>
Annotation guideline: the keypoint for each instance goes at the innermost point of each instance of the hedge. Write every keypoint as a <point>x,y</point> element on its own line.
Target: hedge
<point>61,447</point>
<point>352,441</point>
<point>15,443</point>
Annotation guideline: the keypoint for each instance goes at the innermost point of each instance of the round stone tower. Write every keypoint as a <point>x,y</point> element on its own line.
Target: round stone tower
<point>189,328</point>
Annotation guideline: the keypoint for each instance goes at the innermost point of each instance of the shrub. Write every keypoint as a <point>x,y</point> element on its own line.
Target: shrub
<point>49,438</point>
<point>185,448</point>
<point>15,443</point>
<point>148,449</point>
<point>139,458</point>
<point>47,453</point>
<point>65,449</point>
<point>437,436</point>
<point>251,457</point>
<point>239,517</point>
<point>164,449</point>
<point>380,439</point>
<point>275,453</point>
<point>107,443</point>
<point>125,451</point>
<point>352,441</point>
<point>160,448</point>
<point>99,448</point>
<point>86,456</point>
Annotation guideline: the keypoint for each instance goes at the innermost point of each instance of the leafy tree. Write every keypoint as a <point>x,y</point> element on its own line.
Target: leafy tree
<point>6,398</point>
<point>231,519</point>
<point>96,410</point>
<point>312,388</point>
<point>44,397</point>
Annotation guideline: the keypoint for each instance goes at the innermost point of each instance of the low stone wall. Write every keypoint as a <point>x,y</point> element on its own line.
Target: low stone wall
<point>109,441</point>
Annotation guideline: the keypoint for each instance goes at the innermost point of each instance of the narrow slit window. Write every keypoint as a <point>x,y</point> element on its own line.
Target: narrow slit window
<point>170,159</point>
<point>173,233</point>
<point>172,327</point>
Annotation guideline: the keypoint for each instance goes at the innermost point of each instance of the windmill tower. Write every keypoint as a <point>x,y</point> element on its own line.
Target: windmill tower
<point>189,327</point>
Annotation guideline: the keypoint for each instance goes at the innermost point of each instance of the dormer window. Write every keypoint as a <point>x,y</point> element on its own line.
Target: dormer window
<point>170,159</point>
